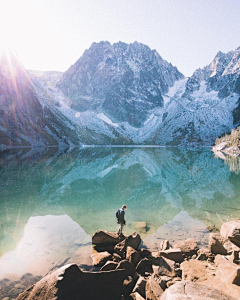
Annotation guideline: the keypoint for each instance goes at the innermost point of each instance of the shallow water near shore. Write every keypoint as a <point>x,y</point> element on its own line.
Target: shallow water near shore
<point>52,201</point>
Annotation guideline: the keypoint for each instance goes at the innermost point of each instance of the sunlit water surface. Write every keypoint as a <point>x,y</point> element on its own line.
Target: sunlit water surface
<point>52,201</point>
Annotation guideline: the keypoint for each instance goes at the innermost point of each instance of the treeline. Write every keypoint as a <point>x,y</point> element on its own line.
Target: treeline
<point>232,139</point>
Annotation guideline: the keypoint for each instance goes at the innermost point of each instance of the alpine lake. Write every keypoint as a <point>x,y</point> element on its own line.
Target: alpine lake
<point>53,200</point>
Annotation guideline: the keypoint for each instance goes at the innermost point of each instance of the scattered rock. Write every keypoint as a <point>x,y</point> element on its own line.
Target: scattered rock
<point>188,247</point>
<point>140,286</point>
<point>186,290</point>
<point>99,259</point>
<point>69,282</point>
<point>163,266</point>
<point>203,254</point>
<point>116,257</point>
<point>229,272</point>
<point>194,270</point>
<point>133,256</point>
<point>135,296</point>
<point>232,290</point>
<point>164,245</point>
<point>231,231</point>
<point>144,266</point>
<point>220,245</point>
<point>127,266</point>
<point>173,254</point>
<point>144,253</point>
<point>153,289</point>
<point>109,265</point>
<point>128,284</point>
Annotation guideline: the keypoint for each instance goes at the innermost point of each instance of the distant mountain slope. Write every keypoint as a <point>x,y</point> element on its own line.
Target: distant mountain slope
<point>119,94</point>
<point>124,81</point>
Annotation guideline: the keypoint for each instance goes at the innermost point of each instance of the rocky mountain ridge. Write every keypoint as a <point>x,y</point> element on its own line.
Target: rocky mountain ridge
<point>123,94</point>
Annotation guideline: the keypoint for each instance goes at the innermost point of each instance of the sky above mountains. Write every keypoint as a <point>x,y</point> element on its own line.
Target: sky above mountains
<point>53,34</point>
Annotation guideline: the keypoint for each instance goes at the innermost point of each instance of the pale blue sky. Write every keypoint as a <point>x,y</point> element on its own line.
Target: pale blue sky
<point>53,34</point>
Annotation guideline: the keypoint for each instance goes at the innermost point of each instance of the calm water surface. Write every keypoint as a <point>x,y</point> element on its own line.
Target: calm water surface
<point>52,201</point>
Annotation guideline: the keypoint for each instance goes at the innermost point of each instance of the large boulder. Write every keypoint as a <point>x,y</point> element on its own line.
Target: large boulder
<point>163,266</point>
<point>99,259</point>
<point>105,237</point>
<point>195,270</point>
<point>188,247</point>
<point>232,290</point>
<point>133,241</point>
<point>187,290</point>
<point>153,289</point>
<point>70,283</point>
<point>220,245</point>
<point>229,272</point>
<point>231,231</point>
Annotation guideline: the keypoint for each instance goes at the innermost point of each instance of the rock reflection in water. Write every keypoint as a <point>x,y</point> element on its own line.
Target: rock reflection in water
<point>47,241</point>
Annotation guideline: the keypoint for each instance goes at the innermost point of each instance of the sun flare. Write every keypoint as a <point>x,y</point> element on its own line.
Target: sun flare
<point>24,24</point>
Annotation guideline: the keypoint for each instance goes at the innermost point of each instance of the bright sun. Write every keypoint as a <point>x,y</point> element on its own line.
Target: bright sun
<point>26,28</point>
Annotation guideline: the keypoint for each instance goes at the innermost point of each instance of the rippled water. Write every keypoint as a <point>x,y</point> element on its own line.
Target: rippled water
<point>52,201</point>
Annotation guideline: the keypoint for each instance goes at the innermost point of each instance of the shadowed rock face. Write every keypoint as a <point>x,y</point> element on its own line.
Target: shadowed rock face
<point>124,80</point>
<point>69,282</point>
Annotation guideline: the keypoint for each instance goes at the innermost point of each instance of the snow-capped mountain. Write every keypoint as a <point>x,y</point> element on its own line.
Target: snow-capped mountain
<point>119,94</point>
<point>122,81</point>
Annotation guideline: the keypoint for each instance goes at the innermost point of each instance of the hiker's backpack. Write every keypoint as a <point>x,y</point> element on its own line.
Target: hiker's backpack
<point>117,213</point>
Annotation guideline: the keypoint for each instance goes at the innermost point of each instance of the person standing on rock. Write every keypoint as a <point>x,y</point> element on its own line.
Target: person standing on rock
<point>120,214</point>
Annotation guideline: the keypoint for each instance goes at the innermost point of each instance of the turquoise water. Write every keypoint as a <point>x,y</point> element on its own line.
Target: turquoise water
<point>52,201</point>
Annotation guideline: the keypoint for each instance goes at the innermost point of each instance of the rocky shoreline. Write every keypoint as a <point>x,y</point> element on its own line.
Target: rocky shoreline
<point>222,147</point>
<point>128,271</point>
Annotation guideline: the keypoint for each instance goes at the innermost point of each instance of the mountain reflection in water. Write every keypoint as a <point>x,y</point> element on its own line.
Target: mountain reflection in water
<point>177,192</point>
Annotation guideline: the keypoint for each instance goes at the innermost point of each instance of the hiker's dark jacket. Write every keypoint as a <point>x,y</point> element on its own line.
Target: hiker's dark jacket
<point>121,215</point>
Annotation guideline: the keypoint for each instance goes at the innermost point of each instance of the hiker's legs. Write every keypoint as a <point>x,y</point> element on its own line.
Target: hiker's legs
<point>120,228</point>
